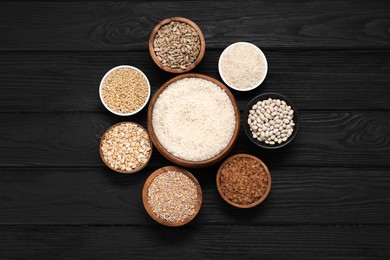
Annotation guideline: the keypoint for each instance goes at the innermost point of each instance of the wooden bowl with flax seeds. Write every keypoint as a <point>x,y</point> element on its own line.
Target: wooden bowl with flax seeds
<point>124,90</point>
<point>177,45</point>
<point>172,196</point>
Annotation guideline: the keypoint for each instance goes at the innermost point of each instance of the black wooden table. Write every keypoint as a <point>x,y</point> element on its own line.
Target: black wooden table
<point>331,186</point>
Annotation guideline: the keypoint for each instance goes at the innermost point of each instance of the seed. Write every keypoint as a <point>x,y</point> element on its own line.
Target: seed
<point>180,39</point>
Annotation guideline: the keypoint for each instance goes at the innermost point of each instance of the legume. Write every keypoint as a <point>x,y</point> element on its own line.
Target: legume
<point>271,121</point>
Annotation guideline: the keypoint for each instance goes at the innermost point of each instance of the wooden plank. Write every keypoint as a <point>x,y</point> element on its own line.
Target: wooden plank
<point>62,81</point>
<point>346,139</point>
<point>207,242</point>
<point>326,196</point>
<point>127,25</point>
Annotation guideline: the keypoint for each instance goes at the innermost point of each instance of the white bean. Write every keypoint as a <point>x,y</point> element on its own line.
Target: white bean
<point>271,121</point>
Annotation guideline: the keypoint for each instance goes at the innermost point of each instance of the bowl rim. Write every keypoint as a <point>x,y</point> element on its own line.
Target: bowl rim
<point>183,20</point>
<point>177,160</point>
<point>101,87</point>
<point>146,204</point>
<point>253,204</point>
<point>122,171</point>
<point>265,96</point>
<point>261,54</point>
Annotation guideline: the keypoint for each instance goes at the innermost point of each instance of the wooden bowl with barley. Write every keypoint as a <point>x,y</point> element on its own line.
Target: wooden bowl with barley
<point>177,45</point>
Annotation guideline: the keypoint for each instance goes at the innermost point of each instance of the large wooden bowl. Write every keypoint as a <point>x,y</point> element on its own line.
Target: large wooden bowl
<point>179,161</point>
<point>146,201</point>
<point>201,38</point>
<point>243,205</point>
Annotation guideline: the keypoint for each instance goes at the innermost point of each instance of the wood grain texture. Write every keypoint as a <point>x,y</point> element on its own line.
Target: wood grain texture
<point>99,196</point>
<point>69,81</point>
<point>207,242</point>
<point>346,139</point>
<point>127,25</point>
<point>330,195</point>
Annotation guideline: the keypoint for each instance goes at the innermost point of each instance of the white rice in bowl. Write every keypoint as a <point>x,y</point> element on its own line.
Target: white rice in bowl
<point>193,119</point>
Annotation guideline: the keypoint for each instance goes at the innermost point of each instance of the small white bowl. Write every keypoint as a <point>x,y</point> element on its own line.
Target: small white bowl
<point>261,54</point>
<point>101,85</point>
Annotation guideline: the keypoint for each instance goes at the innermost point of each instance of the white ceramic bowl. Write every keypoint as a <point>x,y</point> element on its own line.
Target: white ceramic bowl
<point>104,103</point>
<point>257,83</point>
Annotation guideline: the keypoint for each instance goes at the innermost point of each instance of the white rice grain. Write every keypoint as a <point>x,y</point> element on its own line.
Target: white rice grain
<point>242,66</point>
<point>193,119</point>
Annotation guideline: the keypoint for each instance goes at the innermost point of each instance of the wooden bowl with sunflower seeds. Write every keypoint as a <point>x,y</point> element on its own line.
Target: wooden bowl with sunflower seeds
<point>177,45</point>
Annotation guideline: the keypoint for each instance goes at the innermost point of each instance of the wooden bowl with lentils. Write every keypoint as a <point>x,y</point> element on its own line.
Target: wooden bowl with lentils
<point>177,45</point>
<point>172,196</point>
<point>126,147</point>
<point>243,181</point>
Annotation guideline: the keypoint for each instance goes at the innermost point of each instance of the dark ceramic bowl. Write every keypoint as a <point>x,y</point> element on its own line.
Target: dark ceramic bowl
<point>265,96</point>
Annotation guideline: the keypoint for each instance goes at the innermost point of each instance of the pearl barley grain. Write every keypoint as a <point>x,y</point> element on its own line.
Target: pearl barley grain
<point>125,90</point>
<point>271,121</point>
